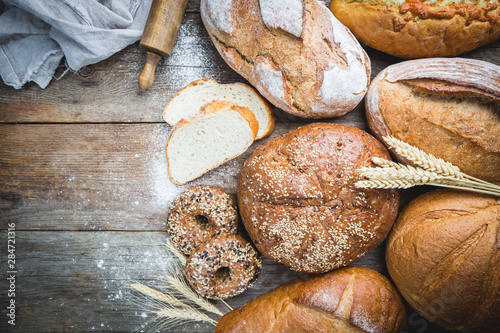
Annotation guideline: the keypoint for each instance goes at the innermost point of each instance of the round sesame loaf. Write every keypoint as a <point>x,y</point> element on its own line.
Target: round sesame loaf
<point>298,201</point>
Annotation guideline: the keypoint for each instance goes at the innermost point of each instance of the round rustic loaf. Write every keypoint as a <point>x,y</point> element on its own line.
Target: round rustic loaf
<point>295,52</point>
<point>420,28</point>
<point>298,201</point>
<point>351,299</point>
<point>444,256</point>
<point>449,108</point>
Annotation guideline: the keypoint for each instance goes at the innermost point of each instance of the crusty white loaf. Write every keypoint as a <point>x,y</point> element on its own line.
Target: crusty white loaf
<point>188,102</point>
<point>295,52</point>
<point>223,131</point>
<point>448,107</point>
<point>348,300</point>
<point>444,256</point>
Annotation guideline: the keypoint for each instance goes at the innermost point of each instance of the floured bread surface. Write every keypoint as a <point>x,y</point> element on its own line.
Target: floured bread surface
<point>298,201</point>
<point>189,102</point>
<point>205,142</point>
<point>288,16</point>
<point>295,53</point>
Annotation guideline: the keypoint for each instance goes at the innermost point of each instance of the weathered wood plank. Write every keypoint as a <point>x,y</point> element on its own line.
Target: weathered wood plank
<point>95,176</point>
<point>78,281</point>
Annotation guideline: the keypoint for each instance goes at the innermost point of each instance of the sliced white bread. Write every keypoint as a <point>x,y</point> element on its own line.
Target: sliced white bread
<point>221,132</point>
<point>190,99</point>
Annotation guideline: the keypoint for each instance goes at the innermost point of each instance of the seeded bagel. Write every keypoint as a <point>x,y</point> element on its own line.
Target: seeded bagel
<point>198,214</point>
<point>223,266</point>
<point>298,201</point>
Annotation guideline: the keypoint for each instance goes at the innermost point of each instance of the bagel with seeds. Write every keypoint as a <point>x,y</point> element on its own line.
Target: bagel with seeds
<point>198,214</point>
<point>223,267</point>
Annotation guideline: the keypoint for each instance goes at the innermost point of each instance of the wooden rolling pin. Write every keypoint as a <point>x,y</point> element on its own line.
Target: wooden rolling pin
<point>158,38</point>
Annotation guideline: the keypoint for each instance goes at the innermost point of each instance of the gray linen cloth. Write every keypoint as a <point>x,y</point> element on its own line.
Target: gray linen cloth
<point>36,34</point>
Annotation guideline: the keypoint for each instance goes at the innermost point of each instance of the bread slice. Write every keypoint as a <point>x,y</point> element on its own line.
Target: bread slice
<point>190,99</point>
<point>223,131</point>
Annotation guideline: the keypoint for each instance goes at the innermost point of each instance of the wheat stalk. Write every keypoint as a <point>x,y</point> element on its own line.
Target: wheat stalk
<point>422,159</point>
<point>407,173</point>
<point>177,253</point>
<point>168,310</point>
<point>173,316</point>
<point>157,295</point>
<point>430,171</point>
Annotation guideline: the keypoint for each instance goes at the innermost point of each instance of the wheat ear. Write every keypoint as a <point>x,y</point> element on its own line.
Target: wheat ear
<point>157,295</point>
<point>431,171</point>
<point>177,253</point>
<point>173,316</point>
<point>422,159</point>
<point>168,310</point>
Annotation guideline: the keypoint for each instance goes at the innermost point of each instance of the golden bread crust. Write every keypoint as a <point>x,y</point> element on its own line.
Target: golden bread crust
<point>443,255</point>
<point>416,30</point>
<point>351,299</point>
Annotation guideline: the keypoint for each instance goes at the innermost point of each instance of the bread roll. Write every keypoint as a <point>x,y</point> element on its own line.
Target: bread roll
<point>351,299</point>
<point>444,256</point>
<point>419,28</point>
<point>447,107</point>
<point>295,52</point>
<point>298,201</point>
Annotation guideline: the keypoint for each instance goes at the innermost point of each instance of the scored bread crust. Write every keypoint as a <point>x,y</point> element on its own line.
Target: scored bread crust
<point>212,108</point>
<point>263,131</point>
<point>350,299</point>
<point>417,30</point>
<point>445,107</point>
<point>443,255</point>
<point>298,201</point>
<point>323,73</point>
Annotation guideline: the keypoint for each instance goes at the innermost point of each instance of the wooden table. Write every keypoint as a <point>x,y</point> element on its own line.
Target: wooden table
<point>83,180</point>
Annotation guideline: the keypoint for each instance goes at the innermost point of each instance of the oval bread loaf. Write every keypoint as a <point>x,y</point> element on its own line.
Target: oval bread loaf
<point>298,201</point>
<point>446,107</point>
<point>421,28</point>
<point>295,52</point>
<point>351,299</point>
<point>443,254</point>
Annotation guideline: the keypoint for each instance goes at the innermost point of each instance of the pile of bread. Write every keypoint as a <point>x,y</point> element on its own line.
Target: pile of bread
<point>296,192</point>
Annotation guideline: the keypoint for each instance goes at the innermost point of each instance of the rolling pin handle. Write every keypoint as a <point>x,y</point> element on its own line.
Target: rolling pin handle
<point>148,73</point>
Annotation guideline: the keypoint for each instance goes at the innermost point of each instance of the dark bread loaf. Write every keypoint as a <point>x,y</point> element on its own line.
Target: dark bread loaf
<point>295,52</point>
<point>419,28</point>
<point>298,201</point>
<point>444,256</point>
<point>447,107</point>
<point>351,299</point>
